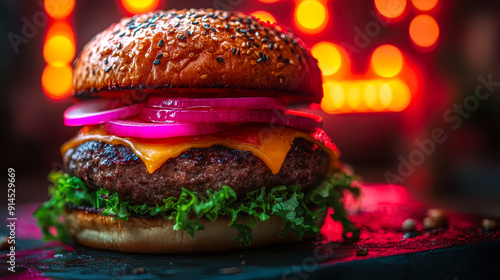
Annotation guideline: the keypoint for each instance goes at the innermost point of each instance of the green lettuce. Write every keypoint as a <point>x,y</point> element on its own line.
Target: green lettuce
<point>288,203</point>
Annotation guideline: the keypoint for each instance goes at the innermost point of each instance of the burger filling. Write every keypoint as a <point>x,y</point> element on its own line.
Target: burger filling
<point>111,177</point>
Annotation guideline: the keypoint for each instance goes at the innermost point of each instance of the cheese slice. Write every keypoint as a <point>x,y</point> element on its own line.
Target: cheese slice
<point>268,145</point>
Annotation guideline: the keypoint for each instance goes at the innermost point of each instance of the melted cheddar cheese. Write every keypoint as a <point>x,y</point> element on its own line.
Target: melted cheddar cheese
<point>268,145</point>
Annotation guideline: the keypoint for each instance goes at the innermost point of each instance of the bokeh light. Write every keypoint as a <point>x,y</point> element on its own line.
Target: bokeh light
<point>58,50</point>
<point>311,16</point>
<point>264,16</point>
<point>371,95</point>
<point>56,81</point>
<point>268,1</point>
<point>59,8</point>
<point>140,6</point>
<point>424,5</point>
<point>331,57</point>
<point>387,61</point>
<point>390,8</point>
<point>424,31</point>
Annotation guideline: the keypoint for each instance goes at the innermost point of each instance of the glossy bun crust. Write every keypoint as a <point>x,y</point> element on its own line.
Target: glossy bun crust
<point>196,52</point>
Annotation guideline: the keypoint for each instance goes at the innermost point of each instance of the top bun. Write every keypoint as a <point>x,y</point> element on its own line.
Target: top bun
<point>197,53</point>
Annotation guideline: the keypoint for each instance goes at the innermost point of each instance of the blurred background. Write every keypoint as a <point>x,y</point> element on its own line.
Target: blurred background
<point>410,86</point>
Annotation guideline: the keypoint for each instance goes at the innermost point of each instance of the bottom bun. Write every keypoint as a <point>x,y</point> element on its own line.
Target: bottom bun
<point>157,235</point>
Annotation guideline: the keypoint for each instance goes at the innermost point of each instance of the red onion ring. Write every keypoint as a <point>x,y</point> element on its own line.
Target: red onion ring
<point>140,129</point>
<point>257,103</point>
<point>97,112</point>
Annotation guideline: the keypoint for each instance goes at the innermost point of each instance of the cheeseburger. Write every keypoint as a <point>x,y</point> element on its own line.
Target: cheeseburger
<point>187,143</point>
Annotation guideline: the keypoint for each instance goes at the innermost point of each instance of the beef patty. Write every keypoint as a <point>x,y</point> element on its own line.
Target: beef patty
<point>116,168</point>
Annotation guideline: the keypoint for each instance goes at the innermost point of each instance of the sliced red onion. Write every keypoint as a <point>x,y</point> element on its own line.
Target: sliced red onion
<point>97,112</point>
<point>291,118</point>
<point>140,129</point>
<point>247,103</point>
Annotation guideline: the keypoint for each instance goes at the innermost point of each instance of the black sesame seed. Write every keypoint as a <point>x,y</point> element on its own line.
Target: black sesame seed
<point>227,27</point>
<point>156,62</point>
<point>279,57</point>
<point>233,37</point>
<point>177,24</point>
<point>180,16</point>
<point>259,60</point>
<point>197,16</point>
<point>182,37</point>
<point>105,61</point>
<point>161,43</point>
<point>265,40</point>
<point>206,25</point>
<point>213,29</point>
<point>122,34</point>
<point>93,72</point>
<point>257,45</point>
<point>119,46</point>
<point>287,60</point>
<point>195,22</point>
<point>220,59</point>
<point>189,33</point>
<point>251,39</point>
<point>234,51</point>
<point>107,69</point>
<point>249,44</point>
<point>160,55</point>
<point>243,31</point>
<point>238,52</point>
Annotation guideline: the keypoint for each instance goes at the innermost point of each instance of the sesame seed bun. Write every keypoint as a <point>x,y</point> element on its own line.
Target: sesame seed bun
<point>196,53</point>
<point>157,235</point>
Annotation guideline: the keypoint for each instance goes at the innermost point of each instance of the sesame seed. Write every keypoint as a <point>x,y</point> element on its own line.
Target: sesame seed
<point>195,22</point>
<point>182,37</point>
<point>220,59</point>
<point>182,44</point>
<point>156,62</point>
<point>257,45</point>
<point>191,54</point>
<point>281,80</point>
<point>253,62</point>
<point>177,24</point>
<point>161,43</point>
<point>105,61</point>
<point>233,37</point>
<point>249,44</point>
<point>259,60</point>
<point>159,56</point>
<point>189,33</point>
<point>213,29</point>
<point>93,72</point>
<point>122,68</point>
<point>251,39</point>
<point>204,76</point>
<point>119,46</point>
<point>265,40</point>
<point>180,16</point>
<point>227,27</point>
<point>107,69</point>
<point>122,34</point>
<point>234,51</point>
<point>238,52</point>
<point>206,25</point>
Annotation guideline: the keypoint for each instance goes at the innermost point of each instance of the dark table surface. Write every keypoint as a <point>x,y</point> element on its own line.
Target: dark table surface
<point>461,251</point>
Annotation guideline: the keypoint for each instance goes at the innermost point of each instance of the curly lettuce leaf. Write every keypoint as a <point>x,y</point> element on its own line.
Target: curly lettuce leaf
<point>288,203</point>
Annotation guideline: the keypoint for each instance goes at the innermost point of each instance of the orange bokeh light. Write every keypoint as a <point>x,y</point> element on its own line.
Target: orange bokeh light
<point>372,95</point>
<point>268,1</point>
<point>424,5</point>
<point>58,50</point>
<point>264,16</point>
<point>140,6</point>
<point>387,61</point>
<point>332,58</point>
<point>311,16</point>
<point>390,8</point>
<point>424,31</point>
<point>59,8</point>
<point>56,81</point>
